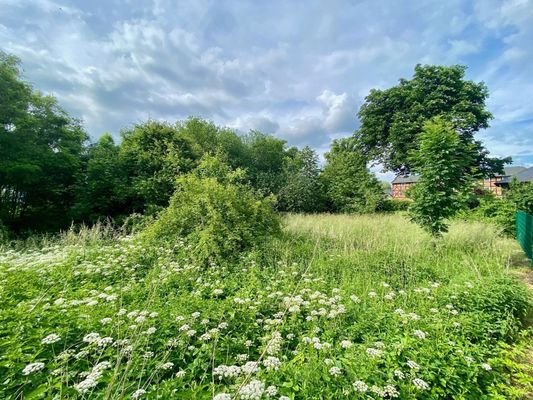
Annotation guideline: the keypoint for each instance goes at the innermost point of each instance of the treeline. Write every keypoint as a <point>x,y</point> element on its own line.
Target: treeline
<point>51,175</point>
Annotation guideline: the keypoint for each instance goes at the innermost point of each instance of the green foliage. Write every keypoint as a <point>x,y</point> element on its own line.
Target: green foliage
<point>368,295</point>
<point>392,205</point>
<point>215,214</point>
<point>520,194</point>
<point>442,160</point>
<point>349,186</point>
<point>501,211</point>
<point>102,192</point>
<point>40,154</point>
<point>152,155</point>
<point>266,161</point>
<point>302,191</point>
<point>393,119</point>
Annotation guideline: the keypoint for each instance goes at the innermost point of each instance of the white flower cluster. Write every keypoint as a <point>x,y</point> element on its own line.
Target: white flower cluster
<point>252,391</point>
<point>420,384</point>
<point>272,363</point>
<point>52,338</point>
<point>92,378</point>
<point>33,367</point>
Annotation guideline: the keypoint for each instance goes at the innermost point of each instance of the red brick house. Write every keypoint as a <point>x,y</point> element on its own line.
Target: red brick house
<point>495,185</point>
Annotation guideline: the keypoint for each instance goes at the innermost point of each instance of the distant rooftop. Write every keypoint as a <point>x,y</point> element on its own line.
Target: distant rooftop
<point>406,179</point>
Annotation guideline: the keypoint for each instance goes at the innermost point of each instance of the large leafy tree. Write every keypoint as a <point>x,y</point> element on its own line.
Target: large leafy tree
<point>392,120</point>
<point>350,186</point>
<point>302,190</point>
<point>153,154</point>
<point>442,160</point>
<point>41,148</point>
<point>102,190</point>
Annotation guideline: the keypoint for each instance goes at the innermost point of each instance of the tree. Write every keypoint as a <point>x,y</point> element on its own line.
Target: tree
<point>153,154</point>
<point>441,160</point>
<point>392,119</point>
<point>102,191</point>
<point>266,157</point>
<point>41,148</point>
<point>349,186</point>
<point>302,190</point>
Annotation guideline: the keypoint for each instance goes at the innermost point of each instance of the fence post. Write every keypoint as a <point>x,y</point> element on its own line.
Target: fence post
<point>524,232</point>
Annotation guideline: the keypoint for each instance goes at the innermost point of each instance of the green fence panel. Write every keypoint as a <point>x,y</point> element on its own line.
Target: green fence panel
<point>524,232</point>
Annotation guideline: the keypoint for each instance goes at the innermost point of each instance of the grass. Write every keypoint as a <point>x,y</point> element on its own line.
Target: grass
<point>337,307</point>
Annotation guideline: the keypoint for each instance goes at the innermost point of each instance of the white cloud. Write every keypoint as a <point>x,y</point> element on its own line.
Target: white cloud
<point>299,70</point>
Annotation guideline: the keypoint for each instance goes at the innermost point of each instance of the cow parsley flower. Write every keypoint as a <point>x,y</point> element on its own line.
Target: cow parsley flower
<point>272,363</point>
<point>419,334</point>
<point>33,367</point>
<point>486,367</point>
<point>360,386</point>
<point>52,338</point>
<point>222,396</point>
<point>138,393</point>
<point>335,371</point>
<point>252,391</point>
<point>413,365</point>
<point>420,384</point>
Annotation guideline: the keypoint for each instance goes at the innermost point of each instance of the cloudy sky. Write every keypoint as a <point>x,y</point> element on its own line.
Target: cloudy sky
<point>296,69</point>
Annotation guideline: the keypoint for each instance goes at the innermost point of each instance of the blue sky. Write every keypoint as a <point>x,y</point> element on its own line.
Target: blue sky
<point>296,69</point>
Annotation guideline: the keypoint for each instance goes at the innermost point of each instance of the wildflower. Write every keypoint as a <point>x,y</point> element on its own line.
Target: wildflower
<point>190,332</point>
<point>469,359</point>
<point>271,391</point>
<point>391,392</point>
<point>105,321</point>
<point>252,391</point>
<point>138,393</point>
<point>166,366</point>
<point>218,292</point>
<point>413,365</point>
<point>180,374</point>
<point>272,363</point>
<point>33,367</point>
<point>151,330</point>
<point>486,367</point>
<point>223,325</point>
<point>284,398</point>
<point>195,314</point>
<point>374,353</point>
<point>91,337</point>
<point>251,367</point>
<point>419,334</point>
<point>420,384</point>
<point>52,338</point>
<point>335,371</point>
<point>222,396</point>
<point>360,386</point>
<point>399,374</point>
<point>346,344</point>
<point>372,294</point>
<point>103,342</point>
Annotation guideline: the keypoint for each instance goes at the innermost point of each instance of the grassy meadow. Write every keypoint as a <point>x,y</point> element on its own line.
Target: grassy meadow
<point>355,307</point>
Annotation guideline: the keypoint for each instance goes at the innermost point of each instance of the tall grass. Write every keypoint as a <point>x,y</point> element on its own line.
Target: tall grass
<point>337,300</point>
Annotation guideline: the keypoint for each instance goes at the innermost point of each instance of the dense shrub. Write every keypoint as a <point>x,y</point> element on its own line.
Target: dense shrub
<point>391,205</point>
<point>217,216</point>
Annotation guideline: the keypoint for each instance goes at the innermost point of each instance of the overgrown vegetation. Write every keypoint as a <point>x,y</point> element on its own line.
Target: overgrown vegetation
<point>357,307</point>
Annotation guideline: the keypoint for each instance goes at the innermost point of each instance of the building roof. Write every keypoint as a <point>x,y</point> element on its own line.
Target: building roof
<point>526,175</point>
<point>406,179</point>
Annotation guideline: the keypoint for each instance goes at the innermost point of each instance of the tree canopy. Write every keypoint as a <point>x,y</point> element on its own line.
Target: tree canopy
<point>392,120</point>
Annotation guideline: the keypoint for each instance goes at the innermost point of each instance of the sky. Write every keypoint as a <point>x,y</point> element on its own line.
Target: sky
<point>296,69</point>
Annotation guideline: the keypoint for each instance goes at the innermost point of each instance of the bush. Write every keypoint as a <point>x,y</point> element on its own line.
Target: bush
<point>217,216</point>
<point>392,205</point>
